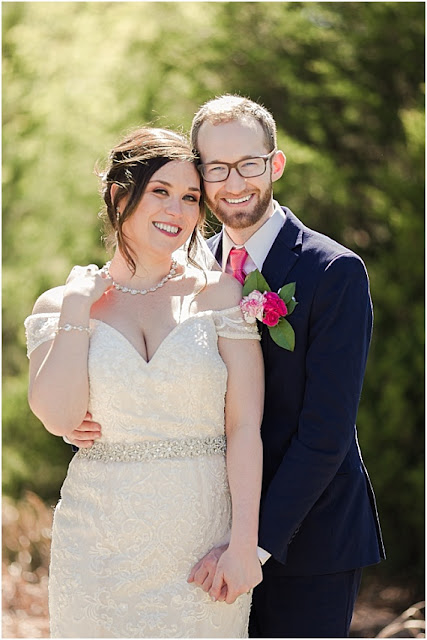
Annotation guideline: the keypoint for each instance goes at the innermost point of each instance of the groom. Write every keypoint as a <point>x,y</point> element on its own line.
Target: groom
<point>318,524</point>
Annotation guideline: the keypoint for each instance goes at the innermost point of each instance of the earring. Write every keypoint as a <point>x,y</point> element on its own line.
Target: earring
<point>117,214</point>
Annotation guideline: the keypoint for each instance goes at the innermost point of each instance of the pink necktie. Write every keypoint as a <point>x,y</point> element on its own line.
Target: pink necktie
<point>237,260</point>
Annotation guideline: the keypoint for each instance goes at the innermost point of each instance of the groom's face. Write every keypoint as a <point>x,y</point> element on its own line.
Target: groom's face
<point>237,202</point>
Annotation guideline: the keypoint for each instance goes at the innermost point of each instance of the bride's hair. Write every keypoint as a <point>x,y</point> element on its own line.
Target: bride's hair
<point>131,165</point>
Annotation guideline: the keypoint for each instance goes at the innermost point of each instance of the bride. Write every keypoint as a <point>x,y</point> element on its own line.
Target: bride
<point>160,354</point>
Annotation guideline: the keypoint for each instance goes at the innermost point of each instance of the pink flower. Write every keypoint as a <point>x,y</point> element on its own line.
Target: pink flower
<point>274,309</point>
<point>271,318</point>
<point>253,306</point>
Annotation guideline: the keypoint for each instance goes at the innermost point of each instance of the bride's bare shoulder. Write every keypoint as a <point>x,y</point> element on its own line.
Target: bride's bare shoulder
<point>50,301</point>
<point>222,291</point>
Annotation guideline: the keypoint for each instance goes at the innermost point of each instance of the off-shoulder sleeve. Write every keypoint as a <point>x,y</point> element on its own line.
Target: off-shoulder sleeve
<point>230,323</point>
<point>39,328</point>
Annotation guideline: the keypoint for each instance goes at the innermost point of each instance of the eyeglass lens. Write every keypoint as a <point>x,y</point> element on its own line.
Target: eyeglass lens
<point>248,168</point>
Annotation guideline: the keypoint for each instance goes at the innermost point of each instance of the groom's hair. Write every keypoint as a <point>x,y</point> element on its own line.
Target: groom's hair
<point>230,108</point>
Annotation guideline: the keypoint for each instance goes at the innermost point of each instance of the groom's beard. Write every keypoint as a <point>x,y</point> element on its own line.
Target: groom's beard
<point>244,218</point>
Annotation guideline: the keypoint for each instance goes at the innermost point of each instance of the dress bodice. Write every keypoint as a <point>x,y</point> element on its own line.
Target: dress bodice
<point>166,397</point>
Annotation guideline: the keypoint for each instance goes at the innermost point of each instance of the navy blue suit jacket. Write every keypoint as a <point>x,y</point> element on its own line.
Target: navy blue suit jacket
<point>318,513</point>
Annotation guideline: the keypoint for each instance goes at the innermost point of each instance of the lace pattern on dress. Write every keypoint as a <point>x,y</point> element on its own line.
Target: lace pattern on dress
<point>230,323</point>
<point>39,328</point>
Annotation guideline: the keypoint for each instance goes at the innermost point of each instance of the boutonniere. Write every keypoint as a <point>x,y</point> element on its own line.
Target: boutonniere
<point>270,308</point>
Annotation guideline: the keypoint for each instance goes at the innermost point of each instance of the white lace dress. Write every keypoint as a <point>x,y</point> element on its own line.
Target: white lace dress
<point>151,497</point>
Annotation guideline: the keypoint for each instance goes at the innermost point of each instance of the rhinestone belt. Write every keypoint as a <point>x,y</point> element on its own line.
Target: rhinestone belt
<point>153,449</point>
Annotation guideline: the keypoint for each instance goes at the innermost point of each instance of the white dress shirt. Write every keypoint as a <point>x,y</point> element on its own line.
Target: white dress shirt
<point>258,246</point>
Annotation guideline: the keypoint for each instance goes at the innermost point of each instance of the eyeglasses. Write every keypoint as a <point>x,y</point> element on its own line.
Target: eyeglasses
<point>247,168</point>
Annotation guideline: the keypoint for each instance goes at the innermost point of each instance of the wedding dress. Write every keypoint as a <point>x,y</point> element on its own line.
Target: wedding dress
<point>148,500</point>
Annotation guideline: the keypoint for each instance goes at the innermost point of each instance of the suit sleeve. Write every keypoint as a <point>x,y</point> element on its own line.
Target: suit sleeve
<point>338,343</point>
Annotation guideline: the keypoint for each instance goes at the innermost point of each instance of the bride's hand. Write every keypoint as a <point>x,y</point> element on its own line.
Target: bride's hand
<point>88,282</point>
<point>237,572</point>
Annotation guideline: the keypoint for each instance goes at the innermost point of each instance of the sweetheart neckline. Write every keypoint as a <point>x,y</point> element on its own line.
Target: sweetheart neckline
<point>207,313</point>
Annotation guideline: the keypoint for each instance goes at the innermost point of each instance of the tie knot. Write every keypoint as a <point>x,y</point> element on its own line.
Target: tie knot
<point>237,260</point>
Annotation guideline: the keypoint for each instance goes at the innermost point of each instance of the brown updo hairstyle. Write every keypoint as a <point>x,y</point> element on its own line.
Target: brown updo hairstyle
<point>131,165</point>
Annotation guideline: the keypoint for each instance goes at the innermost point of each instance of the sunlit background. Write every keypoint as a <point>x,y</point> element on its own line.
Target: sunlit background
<point>345,82</point>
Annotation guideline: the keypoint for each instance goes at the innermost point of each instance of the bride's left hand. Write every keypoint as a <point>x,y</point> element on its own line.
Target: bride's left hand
<point>237,572</point>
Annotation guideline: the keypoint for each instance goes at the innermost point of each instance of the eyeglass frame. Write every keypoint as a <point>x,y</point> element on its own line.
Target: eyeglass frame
<point>233,165</point>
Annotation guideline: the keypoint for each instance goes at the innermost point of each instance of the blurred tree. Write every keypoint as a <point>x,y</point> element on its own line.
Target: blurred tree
<point>345,82</point>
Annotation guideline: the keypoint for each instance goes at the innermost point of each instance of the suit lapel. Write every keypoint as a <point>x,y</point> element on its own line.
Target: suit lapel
<point>215,245</point>
<point>284,252</point>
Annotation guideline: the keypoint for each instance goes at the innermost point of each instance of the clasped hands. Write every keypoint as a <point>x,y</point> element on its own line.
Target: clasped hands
<point>226,574</point>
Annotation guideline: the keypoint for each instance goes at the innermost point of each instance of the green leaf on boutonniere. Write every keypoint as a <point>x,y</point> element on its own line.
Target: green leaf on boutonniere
<point>283,334</point>
<point>255,280</point>
<point>287,292</point>
<point>291,305</point>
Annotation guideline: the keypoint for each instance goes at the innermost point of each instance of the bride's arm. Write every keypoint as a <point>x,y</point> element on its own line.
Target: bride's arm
<point>230,570</point>
<point>239,567</point>
<point>59,390</point>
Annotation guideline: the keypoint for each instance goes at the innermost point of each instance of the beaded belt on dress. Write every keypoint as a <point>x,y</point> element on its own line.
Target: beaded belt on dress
<point>153,449</point>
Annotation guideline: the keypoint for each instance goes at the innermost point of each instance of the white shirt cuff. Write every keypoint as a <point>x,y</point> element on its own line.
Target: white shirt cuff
<point>263,555</point>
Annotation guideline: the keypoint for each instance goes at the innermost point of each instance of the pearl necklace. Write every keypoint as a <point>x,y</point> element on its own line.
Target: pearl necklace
<point>119,287</point>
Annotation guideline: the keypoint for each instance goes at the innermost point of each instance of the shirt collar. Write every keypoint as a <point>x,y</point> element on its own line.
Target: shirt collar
<point>259,244</point>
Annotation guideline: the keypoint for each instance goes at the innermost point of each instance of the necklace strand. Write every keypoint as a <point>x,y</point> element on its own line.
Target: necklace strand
<point>119,287</point>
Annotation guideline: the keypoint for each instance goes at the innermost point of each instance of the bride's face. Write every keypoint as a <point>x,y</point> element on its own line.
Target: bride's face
<point>167,212</point>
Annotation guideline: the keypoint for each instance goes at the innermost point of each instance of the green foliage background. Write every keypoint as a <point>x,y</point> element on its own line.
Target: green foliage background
<point>345,82</point>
